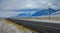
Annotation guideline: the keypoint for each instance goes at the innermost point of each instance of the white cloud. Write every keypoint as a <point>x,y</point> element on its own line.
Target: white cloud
<point>13,4</point>
<point>8,13</point>
<point>18,4</point>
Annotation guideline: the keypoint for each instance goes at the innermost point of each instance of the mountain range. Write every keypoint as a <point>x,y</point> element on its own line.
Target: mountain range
<point>38,12</point>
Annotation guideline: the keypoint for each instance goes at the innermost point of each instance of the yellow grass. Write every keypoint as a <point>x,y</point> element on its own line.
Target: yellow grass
<point>45,18</point>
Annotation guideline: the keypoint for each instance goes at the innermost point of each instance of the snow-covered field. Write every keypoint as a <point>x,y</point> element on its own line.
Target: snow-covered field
<point>10,27</point>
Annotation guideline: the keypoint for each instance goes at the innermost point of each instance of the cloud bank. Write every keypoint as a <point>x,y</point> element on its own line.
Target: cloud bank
<point>20,4</point>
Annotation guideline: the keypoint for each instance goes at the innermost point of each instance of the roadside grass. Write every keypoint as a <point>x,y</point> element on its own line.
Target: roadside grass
<point>45,18</point>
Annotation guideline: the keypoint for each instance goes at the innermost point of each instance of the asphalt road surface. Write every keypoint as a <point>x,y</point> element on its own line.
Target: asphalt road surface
<point>43,27</point>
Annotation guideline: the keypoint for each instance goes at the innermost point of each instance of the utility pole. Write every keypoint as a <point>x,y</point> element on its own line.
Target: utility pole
<point>49,11</point>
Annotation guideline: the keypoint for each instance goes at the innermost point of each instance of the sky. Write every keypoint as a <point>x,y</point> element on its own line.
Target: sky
<point>19,4</point>
<point>22,4</point>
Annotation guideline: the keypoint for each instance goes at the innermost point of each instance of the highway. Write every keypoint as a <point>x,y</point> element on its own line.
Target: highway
<point>43,27</point>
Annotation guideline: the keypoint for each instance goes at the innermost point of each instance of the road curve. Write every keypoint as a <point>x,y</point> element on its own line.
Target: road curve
<point>43,27</point>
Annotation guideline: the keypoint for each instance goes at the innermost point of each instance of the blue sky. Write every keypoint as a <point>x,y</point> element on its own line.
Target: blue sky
<point>22,4</point>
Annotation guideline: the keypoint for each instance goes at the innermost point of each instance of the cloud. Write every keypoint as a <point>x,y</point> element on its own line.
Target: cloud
<point>12,4</point>
<point>8,13</point>
<point>11,13</point>
<point>20,4</point>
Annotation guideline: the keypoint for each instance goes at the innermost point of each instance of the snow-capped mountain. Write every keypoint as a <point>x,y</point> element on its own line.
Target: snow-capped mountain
<point>28,12</point>
<point>38,12</point>
<point>45,12</point>
<point>58,12</point>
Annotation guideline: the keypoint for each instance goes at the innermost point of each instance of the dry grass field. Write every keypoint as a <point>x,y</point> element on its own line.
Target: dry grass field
<point>45,18</point>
